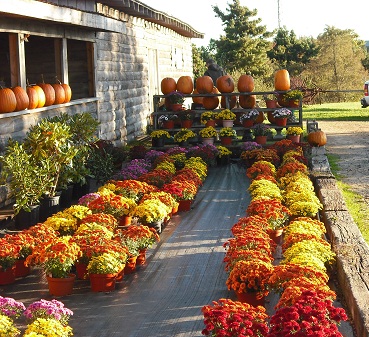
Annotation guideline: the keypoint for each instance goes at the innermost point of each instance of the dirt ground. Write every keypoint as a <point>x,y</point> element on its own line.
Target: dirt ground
<point>350,141</point>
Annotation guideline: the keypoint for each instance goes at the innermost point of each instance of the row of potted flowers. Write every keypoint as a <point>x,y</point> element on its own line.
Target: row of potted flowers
<point>306,305</point>
<point>88,233</point>
<point>43,318</point>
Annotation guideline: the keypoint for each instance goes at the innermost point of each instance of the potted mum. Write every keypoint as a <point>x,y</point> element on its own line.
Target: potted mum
<point>7,327</point>
<point>227,116</point>
<point>226,135</point>
<point>208,134</point>
<point>294,133</point>
<point>261,131</point>
<point>183,136</point>
<point>57,257</point>
<point>176,100</point>
<point>291,98</point>
<point>103,270</point>
<point>43,327</point>
<point>281,115</point>
<point>247,119</point>
<point>208,118</point>
<point>167,121</point>
<point>158,137</point>
<point>9,253</point>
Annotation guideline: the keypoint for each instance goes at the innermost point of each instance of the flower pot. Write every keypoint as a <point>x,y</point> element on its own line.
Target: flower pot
<point>186,123</point>
<point>130,265</point>
<point>249,297</point>
<point>102,282</point>
<point>125,220</point>
<point>49,206</point>
<point>157,225</point>
<point>24,219</point>
<point>81,270</point>
<point>210,123</point>
<point>7,276</point>
<point>120,275</point>
<point>276,235</point>
<point>184,205</point>
<point>262,140</point>
<point>208,140</point>
<point>176,107</point>
<point>281,121</point>
<point>226,140</point>
<point>174,210</point>
<point>248,123</point>
<point>158,142</point>
<point>21,270</point>
<point>271,104</point>
<point>141,258</point>
<point>66,197</point>
<point>168,124</point>
<point>294,138</point>
<point>61,286</point>
<point>227,123</point>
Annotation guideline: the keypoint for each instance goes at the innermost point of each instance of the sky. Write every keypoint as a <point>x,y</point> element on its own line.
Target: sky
<point>305,18</point>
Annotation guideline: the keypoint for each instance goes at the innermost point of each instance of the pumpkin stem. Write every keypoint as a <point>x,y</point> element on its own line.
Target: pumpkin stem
<point>57,80</point>
<point>42,78</point>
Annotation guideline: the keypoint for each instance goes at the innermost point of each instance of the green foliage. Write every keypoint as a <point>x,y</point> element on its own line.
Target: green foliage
<point>245,43</point>
<point>198,62</point>
<point>338,66</point>
<point>27,179</point>
<point>100,164</point>
<point>291,53</point>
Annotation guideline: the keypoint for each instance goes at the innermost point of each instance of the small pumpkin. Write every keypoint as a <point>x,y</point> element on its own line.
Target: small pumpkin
<point>59,93</point>
<point>211,102</point>
<point>245,83</point>
<point>41,96</point>
<point>282,80</point>
<point>197,100</point>
<point>68,92</point>
<point>247,101</point>
<point>8,101</point>
<point>225,83</point>
<point>33,97</point>
<point>21,97</point>
<point>185,84</point>
<point>204,84</point>
<point>232,102</point>
<point>49,93</point>
<point>317,138</point>
<point>167,85</point>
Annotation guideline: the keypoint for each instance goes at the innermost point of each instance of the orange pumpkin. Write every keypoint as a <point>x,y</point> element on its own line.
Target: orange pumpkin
<point>247,101</point>
<point>8,101</point>
<point>67,91</point>
<point>232,102</point>
<point>204,84</point>
<point>317,138</point>
<point>168,84</point>
<point>197,100</point>
<point>245,83</point>
<point>41,96</point>
<point>59,93</point>
<point>211,102</point>
<point>282,80</point>
<point>21,97</point>
<point>33,97</point>
<point>225,83</point>
<point>185,84</point>
<point>260,118</point>
<point>49,93</point>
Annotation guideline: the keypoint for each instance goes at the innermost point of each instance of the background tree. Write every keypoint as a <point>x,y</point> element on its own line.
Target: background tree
<point>244,45</point>
<point>198,62</point>
<point>291,53</point>
<point>338,66</point>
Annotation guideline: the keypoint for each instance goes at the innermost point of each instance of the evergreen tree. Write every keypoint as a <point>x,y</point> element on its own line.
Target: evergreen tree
<point>292,53</point>
<point>244,45</point>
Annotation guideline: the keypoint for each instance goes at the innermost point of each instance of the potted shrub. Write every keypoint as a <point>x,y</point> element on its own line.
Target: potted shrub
<point>167,121</point>
<point>208,118</point>
<point>208,134</point>
<point>226,135</point>
<point>270,101</point>
<point>247,119</point>
<point>27,181</point>
<point>227,116</point>
<point>9,253</point>
<point>182,136</point>
<point>261,131</point>
<point>291,98</point>
<point>294,133</point>
<point>281,115</point>
<point>158,137</point>
<point>176,100</point>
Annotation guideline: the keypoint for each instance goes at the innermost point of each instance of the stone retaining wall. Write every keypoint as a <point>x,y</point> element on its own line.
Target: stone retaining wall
<point>347,242</point>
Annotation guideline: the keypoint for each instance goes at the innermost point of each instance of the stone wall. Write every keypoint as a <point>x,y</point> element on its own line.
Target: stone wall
<point>123,75</point>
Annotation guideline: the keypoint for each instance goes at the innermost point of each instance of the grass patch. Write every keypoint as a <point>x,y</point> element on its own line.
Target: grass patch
<point>355,203</point>
<point>347,111</point>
